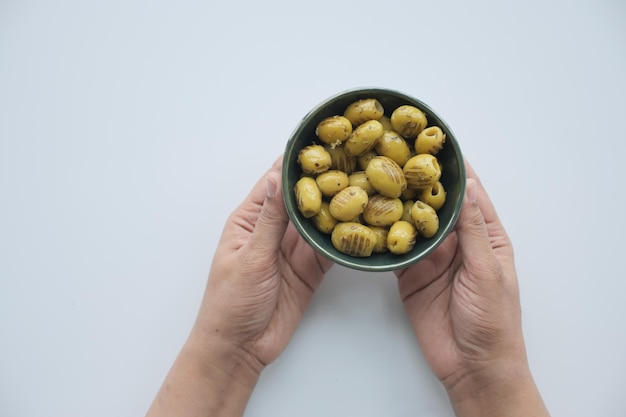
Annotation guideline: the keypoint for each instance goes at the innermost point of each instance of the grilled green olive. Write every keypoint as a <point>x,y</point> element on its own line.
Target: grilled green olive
<point>359,178</point>
<point>408,121</point>
<point>334,130</point>
<point>381,238</point>
<point>314,159</point>
<point>340,161</point>
<point>401,237</point>
<point>434,196</point>
<point>348,203</point>
<point>323,220</point>
<point>363,138</point>
<point>386,176</point>
<point>383,211</point>
<point>406,210</point>
<point>393,146</point>
<point>353,239</point>
<point>308,196</point>
<point>331,182</point>
<point>363,110</point>
<point>430,140</point>
<point>425,219</point>
<point>386,122</point>
<point>363,160</point>
<point>422,171</point>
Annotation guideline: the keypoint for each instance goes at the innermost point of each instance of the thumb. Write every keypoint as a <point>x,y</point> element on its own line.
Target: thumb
<point>272,221</point>
<point>473,235</point>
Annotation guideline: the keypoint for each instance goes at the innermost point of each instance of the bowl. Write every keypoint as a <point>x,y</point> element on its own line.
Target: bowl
<point>453,180</point>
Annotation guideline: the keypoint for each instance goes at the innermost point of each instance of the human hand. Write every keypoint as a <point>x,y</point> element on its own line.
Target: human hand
<point>261,280</point>
<point>262,277</point>
<point>463,303</point>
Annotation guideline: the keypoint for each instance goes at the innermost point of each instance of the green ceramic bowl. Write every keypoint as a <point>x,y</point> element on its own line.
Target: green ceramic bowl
<point>452,178</point>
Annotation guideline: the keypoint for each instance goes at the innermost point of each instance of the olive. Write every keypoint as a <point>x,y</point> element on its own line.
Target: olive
<point>430,140</point>
<point>353,239</point>
<point>348,203</point>
<point>386,122</point>
<point>314,159</point>
<point>363,110</point>
<point>386,176</point>
<point>421,171</point>
<point>401,237</point>
<point>408,121</point>
<point>383,211</point>
<point>381,233</point>
<point>393,146</point>
<point>323,220</point>
<point>359,178</point>
<point>334,130</point>
<point>406,210</point>
<point>363,138</point>
<point>425,219</point>
<point>362,161</point>
<point>331,182</point>
<point>340,161</point>
<point>434,196</point>
<point>308,196</point>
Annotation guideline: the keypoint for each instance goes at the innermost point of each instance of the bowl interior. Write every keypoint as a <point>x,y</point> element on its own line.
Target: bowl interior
<point>452,178</point>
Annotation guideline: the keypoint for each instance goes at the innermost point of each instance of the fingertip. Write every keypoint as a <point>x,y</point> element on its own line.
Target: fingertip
<point>471,191</point>
<point>271,185</point>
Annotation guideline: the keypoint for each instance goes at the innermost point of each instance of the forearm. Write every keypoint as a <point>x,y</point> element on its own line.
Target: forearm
<point>207,379</point>
<point>513,394</point>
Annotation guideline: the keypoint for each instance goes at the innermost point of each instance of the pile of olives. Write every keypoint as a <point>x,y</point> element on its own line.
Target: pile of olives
<point>372,181</point>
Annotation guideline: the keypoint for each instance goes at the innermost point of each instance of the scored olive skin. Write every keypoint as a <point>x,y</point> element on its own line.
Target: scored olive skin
<point>408,121</point>
<point>353,239</point>
<point>393,146</point>
<point>383,211</point>
<point>363,110</point>
<point>323,220</point>
<point>331,182</point>
<point>314,159</point>
<point>308,197</point>
<point>334,130</point>
<point>425,219</point>
<point>434,196</point>
<point>340,161</point>
<point>401,237</point>
<point>363,138</point>
<point>386,176</point>
<point>422,171</point>
<point>348,203</point>
<point>430,140</point>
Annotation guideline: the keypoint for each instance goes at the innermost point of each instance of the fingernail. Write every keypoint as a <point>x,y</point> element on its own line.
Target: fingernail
<point>472,191</point>
<point>270,187</point>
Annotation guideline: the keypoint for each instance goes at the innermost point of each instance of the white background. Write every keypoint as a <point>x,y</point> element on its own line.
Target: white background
<point>130,129</point>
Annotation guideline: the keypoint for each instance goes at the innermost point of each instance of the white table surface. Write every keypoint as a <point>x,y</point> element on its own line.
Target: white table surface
<point>130,129</point>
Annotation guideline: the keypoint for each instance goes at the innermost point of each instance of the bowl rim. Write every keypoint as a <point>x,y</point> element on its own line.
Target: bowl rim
<point>361,263</point>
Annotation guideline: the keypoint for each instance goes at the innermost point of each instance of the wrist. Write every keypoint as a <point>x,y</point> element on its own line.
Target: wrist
<point>209,377</point>
<point>497,390</point>
<point>217,358</point>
